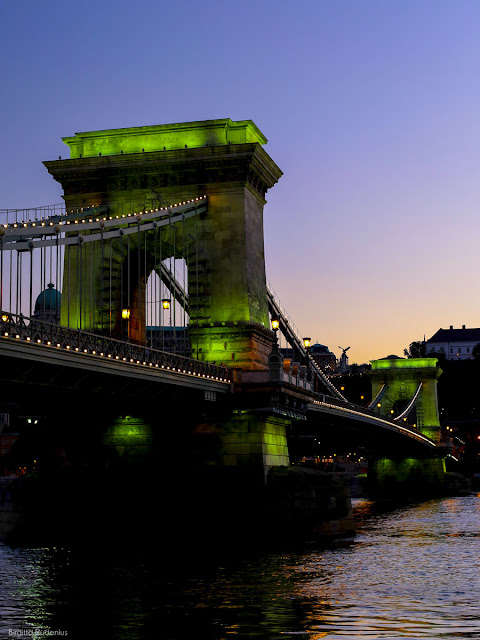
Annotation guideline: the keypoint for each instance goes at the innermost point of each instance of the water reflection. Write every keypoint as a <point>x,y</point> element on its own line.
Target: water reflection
<point>410,572</point>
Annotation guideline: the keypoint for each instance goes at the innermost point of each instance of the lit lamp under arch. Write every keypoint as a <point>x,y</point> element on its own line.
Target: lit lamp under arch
<point>126,322</point>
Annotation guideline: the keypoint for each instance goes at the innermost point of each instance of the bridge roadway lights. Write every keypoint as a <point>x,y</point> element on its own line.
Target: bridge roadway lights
<point>224,248</point>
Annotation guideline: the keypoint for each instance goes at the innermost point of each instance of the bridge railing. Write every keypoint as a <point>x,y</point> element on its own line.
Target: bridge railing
<point>293,337</point>
<point>18,327</point>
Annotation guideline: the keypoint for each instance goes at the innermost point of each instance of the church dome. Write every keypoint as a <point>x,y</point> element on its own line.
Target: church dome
<point>318,348</point>
<point>49,300</point>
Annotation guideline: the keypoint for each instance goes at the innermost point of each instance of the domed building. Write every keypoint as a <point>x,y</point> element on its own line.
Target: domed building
<point>322,355</point>
<point>325,359</point>
<point>48,304</point>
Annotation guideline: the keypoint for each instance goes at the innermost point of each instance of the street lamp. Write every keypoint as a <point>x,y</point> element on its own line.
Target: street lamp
<point>275,324</point>
<point>166,303</point>
<point>126,323</point>
<point>306,343</point>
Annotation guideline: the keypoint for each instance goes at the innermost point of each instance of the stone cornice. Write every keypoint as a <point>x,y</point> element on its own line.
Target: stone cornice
<point>247,163</point>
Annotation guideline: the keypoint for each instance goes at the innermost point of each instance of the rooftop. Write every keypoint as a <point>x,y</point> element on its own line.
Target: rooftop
<point>456,335</point>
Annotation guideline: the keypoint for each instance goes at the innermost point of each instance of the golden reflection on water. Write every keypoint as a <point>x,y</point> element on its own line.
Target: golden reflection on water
<point>402,577</point>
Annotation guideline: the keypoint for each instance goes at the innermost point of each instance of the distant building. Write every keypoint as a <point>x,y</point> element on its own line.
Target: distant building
<point>7,439</point>
<point>454,344</point>
<point>47,305</point>
<point>170,339</point>
<point>325,359</point>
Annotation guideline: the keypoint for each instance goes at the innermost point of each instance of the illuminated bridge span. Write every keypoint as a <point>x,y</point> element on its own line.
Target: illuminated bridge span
<point>41,341</point>
<point>153,270</point>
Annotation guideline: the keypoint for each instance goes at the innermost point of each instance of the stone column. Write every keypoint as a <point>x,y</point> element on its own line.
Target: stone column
<point>255,440</point>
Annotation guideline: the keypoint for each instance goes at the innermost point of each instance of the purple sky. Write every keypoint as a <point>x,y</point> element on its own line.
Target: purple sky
<point>371,109</point>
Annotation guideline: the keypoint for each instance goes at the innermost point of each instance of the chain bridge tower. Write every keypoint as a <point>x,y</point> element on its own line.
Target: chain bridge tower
<point>400,386</point>
<point>140,168</point>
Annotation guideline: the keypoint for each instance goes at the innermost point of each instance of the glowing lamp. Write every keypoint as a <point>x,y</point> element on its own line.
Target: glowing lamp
<point>126,314</point>
<point>275,324</point>
<point>166,303</point>
<point>306,342</point>
<point>4,317</point>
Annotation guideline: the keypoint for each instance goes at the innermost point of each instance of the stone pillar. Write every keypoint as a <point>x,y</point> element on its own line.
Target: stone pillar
<point>252,439</point>
<point>129,439</point>
<point>406,477</point>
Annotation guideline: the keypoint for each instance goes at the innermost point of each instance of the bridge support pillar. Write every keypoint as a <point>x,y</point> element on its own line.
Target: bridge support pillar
<point>130,438</point>
<point>255,440</point>
<point>406,477</point>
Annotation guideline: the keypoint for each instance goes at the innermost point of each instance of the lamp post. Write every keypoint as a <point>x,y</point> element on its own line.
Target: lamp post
<point>306,344</point>
<point>275,327</point>
<point>275,359</point>
<point>165,307</point>
<point>126,319</point>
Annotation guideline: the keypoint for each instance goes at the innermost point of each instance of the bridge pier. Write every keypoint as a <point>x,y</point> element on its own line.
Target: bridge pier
<point>251,439</point>
<point>239,482</point>
<point>406,477</point>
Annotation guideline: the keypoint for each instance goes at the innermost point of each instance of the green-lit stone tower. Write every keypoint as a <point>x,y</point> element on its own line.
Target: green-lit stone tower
<point>142,166</point>
<point>401,377</point>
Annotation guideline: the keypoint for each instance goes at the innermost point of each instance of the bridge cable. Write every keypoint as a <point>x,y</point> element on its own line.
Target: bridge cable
<point>410,405</point>
<point>197,288</point>
<point>184,263</point>
<point>145,297</point>
<point>102,275</point>
<point>31,282</point>
<point>174,292</point>
<point>139,251</point>
<point>378,397</point>
<point>129,300</point>
<point>1,272</point>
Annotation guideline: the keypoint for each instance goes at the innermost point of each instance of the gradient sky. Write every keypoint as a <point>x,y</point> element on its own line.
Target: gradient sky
<point>371,109</point>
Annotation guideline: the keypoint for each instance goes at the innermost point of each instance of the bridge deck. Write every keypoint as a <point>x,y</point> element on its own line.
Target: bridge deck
<point>43,342</point>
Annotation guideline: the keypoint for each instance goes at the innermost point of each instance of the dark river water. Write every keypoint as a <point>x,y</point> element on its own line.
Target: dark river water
<point>410,572</point>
